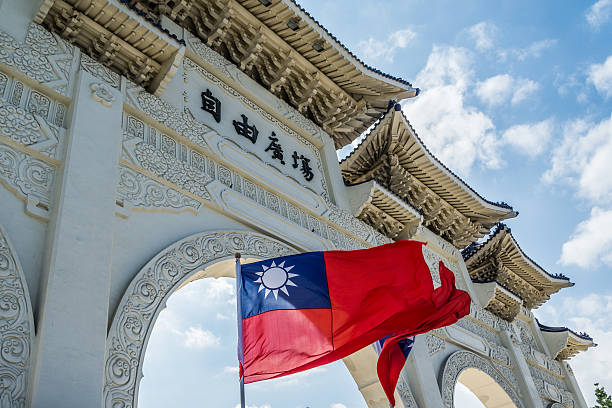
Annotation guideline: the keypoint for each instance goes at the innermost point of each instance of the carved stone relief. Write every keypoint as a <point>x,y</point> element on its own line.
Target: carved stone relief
<point>433,263</point>
<point>43,57</point>
<point>15,93</point>
<point>100,71</point>
<point>16,329</point>
<point>192,171</point>
<point>434,343</point>
<point>29,178</point>
<point>136,190</point>
<point>101,93</point>
<point>147,294</point>
<point>405,393</point>
<point>461,360</point>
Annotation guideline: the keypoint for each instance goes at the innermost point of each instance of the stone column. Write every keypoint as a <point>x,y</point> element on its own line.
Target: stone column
<point>530,393</point>
<point>72,322</point>
<point>422,376</point>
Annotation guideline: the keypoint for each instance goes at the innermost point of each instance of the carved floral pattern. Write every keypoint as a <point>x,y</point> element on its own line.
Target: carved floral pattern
<point>101,93</point>
<point>30,178</point>
<point>148,291</point>
<point>139,191</point>
<point>461,360</point>
<point>43,57</point>
<point>434,344</point>
<point>16,323</point>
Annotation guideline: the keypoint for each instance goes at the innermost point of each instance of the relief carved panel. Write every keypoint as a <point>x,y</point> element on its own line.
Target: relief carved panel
<point>16,329</point>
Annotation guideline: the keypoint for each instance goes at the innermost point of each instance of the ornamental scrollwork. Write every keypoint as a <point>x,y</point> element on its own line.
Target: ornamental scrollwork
<point>148,291</point>
<point>405,393</point>
<point>139,191</point>
<point>43,57</point>
<point>30,178</point>
<point>432,259</point>
<point>434,344</point>
<point>462,360</point>
<point>16,324</point>
<point>100,92</point>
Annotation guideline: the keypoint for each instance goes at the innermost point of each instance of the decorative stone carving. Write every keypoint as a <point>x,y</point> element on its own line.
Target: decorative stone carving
<point>101,93</point>
<point>147,294</point>
<point>16,329</point>
<point>405,393</point>
<point>43,57</point>
<point>15,93</point>
<point>461,360</point>
<point>433,263</point>
<point>100,71</point>
<point>139,191</point>
<point>29,130</point>
<point>434,344</point>
<point>30,178</point>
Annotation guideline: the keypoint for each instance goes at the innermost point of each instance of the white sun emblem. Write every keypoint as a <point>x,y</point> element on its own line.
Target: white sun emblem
<point>275,278</point>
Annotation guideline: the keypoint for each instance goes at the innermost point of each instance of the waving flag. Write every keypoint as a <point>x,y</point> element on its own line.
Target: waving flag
<point>302,311</point>
<point>393,351</point>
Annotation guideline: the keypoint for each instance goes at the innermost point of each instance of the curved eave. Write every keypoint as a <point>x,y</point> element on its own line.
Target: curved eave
<point>528,265</point>
<point>436,170</point>
<point>565,343</point>
<point>344,51</point>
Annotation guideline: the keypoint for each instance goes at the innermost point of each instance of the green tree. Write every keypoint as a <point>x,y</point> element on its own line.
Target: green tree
<point>603,399</point>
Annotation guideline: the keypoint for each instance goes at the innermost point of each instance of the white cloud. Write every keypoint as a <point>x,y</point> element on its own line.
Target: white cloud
<point>533,50</point>
<point>458,134</point>
<point>375,50</point>
<point>600,75</point>
<point>501,88</point>
<point>599,13</point>
<point>591,241</point>
<point>231,369</point>
<point>530,139</point>
<point>583,159</point>
<point>483,35</point>
<point>593,314</point>
<point>463,397</point>
<point>221,316</point>
<point>197,338</point>
<point>338,405</point>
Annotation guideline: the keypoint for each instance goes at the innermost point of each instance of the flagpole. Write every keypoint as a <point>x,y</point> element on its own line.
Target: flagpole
<point>239,316</point>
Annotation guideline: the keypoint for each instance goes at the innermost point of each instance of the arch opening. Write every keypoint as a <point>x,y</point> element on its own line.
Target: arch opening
<point>476,389</point>
<point>174,269</point>
<point>191,356</point>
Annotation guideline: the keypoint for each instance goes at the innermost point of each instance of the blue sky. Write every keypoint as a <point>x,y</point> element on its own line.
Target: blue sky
<point>517,99</point>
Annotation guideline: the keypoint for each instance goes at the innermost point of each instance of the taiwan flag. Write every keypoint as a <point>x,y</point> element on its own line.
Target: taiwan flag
<point>301,311</point>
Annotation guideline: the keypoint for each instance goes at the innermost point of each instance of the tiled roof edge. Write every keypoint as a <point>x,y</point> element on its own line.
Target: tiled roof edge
<point>395,106</point>
<point>474,247</point>
<point>551,329</point>
<point>386,187</point>
<point>338,42</point>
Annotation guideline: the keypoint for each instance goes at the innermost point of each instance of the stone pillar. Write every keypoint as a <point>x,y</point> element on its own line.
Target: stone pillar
<point>72,323</point>
<point>422,376</point>
<point>526,384</point>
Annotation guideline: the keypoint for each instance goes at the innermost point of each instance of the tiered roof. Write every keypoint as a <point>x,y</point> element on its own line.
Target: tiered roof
<point>275,42</point>
<point>500,259</point>
<point>393,153</point>
<point>564,343</point>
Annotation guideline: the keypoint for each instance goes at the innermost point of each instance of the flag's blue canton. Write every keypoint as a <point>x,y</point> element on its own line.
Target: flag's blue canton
<point>307,287</point>
<point>404,344</point>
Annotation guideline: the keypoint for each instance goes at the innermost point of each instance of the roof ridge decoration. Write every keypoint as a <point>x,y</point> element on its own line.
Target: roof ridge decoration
<point>393,152</point>
<point>500,258</point>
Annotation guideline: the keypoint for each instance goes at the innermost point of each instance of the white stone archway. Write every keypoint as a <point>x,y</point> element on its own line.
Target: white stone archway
<point>148,291</point>
<point>16,328</point>
<point>460,361</point>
